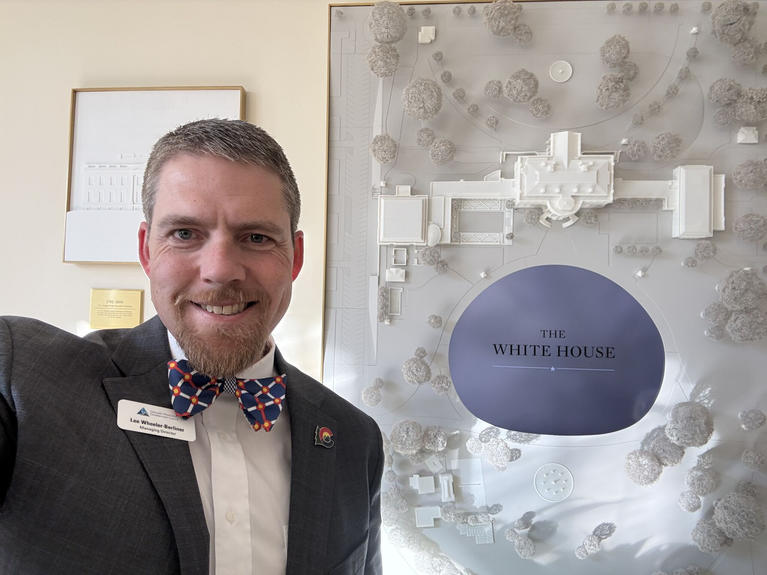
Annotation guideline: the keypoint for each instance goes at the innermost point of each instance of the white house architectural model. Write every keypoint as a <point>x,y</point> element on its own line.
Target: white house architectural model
<point>469,142</point>
<point>560,181</point>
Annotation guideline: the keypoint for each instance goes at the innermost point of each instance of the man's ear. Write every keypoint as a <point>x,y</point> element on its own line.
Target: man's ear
<point>143,247</point>
<point>298,252</point>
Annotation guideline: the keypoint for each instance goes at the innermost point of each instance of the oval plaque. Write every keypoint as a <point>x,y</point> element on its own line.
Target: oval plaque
<point>557,350</point>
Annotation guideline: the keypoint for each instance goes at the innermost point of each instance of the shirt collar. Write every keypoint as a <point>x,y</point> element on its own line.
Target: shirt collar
<point>264,367</point>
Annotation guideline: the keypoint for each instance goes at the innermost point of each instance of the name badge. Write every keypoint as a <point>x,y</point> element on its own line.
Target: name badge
<point>162,421</point>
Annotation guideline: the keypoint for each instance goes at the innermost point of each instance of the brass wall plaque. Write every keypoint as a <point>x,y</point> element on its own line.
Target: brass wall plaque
<point>114,308</point>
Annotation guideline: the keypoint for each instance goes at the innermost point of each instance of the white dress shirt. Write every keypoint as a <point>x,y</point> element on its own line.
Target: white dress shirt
<point>244,480</point>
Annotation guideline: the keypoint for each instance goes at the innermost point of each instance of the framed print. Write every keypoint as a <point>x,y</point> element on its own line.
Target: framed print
<point>112,132</point>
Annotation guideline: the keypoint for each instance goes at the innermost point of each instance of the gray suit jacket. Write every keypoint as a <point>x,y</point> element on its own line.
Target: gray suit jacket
<point>79,495</point>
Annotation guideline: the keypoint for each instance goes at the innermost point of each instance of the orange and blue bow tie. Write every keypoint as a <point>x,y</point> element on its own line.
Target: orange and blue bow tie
<point>261,400</point>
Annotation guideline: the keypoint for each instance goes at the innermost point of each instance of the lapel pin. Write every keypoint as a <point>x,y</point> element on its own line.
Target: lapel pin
<point>323,436</point>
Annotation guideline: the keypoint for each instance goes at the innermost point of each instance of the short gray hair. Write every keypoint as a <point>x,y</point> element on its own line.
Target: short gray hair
<point>233,140</point>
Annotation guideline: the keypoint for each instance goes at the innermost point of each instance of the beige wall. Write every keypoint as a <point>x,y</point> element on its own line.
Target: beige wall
<point>276,49</point>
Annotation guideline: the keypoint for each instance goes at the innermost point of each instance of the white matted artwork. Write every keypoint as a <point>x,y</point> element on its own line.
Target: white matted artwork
<point>471,143</point>
<point>112,133</point>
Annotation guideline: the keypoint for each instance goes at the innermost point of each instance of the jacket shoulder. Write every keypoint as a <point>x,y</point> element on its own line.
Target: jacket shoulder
<point>36,336</point>
<point>18,329</point>
<point>107,338</point>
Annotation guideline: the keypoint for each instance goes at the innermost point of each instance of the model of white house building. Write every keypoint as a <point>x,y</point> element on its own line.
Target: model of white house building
<point>560,181</point>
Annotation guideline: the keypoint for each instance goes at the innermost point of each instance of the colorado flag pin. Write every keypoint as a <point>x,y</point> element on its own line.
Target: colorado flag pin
<point>323,436</point>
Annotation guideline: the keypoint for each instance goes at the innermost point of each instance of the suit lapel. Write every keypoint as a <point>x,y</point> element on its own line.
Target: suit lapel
<point>312,475</point>
<point>142,356</point>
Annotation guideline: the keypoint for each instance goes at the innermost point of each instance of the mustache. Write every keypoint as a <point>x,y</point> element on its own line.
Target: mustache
<point>221,296</point>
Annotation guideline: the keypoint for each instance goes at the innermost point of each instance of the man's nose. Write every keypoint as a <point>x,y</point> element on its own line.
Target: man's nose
<point>221,262</point>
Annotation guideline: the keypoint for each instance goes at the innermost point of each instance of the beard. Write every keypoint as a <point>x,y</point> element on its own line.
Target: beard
<point>223,352</point>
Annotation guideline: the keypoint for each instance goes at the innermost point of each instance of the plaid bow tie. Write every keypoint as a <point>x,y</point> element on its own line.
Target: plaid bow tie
<point>191,391</point>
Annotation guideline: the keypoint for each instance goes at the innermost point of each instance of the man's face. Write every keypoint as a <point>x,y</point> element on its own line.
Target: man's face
<point>220,258</point>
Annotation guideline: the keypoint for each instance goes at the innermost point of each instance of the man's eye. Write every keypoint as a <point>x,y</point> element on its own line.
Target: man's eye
<point>183,234</point>
<point>257,238</point>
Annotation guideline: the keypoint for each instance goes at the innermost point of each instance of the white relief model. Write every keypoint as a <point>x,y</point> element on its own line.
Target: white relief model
<point>560,181</point>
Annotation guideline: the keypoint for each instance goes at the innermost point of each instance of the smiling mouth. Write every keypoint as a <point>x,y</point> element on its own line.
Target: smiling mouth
<point>230,309</point>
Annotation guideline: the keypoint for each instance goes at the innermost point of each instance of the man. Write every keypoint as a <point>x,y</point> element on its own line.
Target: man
<point>260,474</point>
